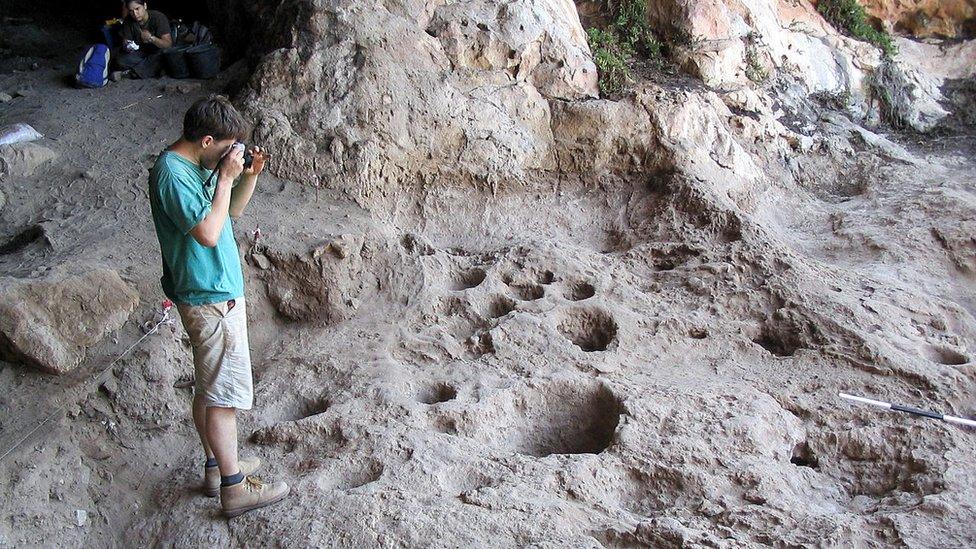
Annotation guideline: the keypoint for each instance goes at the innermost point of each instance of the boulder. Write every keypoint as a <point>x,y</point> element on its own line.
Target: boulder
<point>24,159</point>
<point>51,322</point>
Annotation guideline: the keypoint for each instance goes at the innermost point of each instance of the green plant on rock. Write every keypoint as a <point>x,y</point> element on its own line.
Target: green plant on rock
<point>609,57</point>
<point>630,24</point>
<point>755,70</point>
<point>628,35</point>
<point>850,17</point>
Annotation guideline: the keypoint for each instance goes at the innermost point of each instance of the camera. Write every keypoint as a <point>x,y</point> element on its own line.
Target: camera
<point>248,157</point>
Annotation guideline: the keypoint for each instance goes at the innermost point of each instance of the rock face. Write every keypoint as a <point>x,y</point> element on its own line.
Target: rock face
<point>50,322</point>
<point>927,18</point>
<point>419,94</point>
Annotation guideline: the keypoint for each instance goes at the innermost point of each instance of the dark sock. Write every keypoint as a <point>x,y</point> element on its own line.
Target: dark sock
<point>211,462</point>
<point>231,480</point>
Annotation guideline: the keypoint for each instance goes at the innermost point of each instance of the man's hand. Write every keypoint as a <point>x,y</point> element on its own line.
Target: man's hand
<point>259,157</point>
<point>146,36</point>
<point>231,165</point>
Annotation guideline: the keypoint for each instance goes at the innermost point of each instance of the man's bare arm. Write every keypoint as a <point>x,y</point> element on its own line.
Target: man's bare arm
<point>207,232</point>
<point>245,189</point>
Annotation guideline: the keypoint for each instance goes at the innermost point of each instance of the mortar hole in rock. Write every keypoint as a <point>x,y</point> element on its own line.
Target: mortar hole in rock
<point>529,293</point>
<point>469,279</point>
<point>581,291</point>
<point>28,236</point>
<point>589,329</point>
<point>777,343</point>
<point>698,333</point>
<point>547,277</point>
<point>672,258</point>
<point>311,407</point>
<point>803,456</point>
<point>349,475</point>
<point>947,356</point>
<point>437,393</point>
<point>481,344</point>
<point>568,420</point>
<point>500,306</point>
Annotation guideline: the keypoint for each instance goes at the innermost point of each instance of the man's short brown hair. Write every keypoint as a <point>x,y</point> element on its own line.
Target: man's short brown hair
<point>214,116</point>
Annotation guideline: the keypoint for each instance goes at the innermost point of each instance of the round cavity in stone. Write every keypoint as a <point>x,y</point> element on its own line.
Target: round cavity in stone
<point>778,342</point>
<point>698,333</point>
<point>313,407</point>
<point>436,393</point>
<point>481,344</point>
<point>589,329</point>
<point>565,419</point>
<point>500,306</point>
<point>349,475</point>
<point>547,277</point>
<point>529,292</point>
<point>469,279</point>
<point>803,456</point>
<point>947,356</point>
<point>581,291</point>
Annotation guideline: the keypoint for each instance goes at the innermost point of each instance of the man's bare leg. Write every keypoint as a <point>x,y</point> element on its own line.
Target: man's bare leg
<point>222,437</point>
<point>200,421</point>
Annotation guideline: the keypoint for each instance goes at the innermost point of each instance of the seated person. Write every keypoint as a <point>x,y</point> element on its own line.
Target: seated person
<point>145,33</point>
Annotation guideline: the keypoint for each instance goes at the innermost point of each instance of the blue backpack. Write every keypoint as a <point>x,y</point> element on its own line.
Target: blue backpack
<point>93,68</point>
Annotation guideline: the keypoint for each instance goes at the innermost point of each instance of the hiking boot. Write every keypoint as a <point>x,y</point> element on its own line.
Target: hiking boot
<point>250,494</point>
<point>211,475</point>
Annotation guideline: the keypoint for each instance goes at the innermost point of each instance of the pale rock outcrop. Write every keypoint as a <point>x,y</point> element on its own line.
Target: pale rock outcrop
<point>458,91</point>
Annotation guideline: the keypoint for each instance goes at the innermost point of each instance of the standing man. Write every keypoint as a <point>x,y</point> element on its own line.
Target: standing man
<point>202,274</point>
<point>145,33</point>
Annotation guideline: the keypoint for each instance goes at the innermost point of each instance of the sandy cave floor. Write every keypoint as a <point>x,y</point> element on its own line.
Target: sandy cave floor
<point>547,383</point>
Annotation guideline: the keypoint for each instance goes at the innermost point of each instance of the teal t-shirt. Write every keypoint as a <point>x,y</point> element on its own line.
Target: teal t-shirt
<point>192,273</point>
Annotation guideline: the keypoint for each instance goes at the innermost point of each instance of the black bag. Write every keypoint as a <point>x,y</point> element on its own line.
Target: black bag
<point>203,60</point>
<point>174,61</point>
<point>193,35</point>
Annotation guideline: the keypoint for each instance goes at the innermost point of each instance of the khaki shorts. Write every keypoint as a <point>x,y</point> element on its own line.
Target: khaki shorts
<point>221,357</point>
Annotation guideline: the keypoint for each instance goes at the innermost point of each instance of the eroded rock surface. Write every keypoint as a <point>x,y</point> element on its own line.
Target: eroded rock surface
<point>50,322</point>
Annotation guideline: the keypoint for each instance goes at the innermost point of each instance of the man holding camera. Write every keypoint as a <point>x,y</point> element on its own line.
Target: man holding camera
<point>145,33</point>
<point>193,197</point>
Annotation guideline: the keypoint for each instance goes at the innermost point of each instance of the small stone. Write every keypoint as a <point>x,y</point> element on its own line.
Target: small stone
<point>261,261</point>
<point>5,97</point>
<point>24,92</point>
<point>340,248</point>
<point>710,508</point>
<point>81,517</point>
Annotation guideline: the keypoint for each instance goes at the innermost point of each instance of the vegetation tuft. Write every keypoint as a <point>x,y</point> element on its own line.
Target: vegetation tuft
<point>849,16</point>
<point>628,35</point>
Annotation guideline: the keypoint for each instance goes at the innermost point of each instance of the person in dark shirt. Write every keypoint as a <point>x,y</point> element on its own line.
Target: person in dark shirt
<point>145,33</point>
